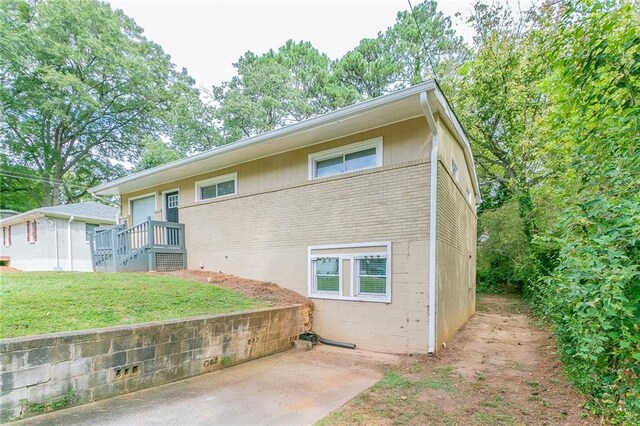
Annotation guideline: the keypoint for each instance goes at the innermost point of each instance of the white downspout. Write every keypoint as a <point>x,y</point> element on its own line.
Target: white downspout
<point>433,215</point>
<point>55,241</point>
<point>70,245</point>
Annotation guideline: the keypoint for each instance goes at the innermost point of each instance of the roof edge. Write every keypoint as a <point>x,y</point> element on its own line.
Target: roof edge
<point>282,131</point>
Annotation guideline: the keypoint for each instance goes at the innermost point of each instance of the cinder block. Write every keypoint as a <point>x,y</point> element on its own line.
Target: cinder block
<point>22,378</point>
<point>117,359</point>
<point>12,398</point>
<point>93,348</point>
<point>65,370</point>
<point>12,361</point>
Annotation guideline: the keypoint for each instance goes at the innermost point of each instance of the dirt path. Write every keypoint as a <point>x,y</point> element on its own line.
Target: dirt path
<point>498,369</point>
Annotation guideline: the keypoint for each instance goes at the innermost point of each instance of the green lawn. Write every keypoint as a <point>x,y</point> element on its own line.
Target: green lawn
<point>46,302</point>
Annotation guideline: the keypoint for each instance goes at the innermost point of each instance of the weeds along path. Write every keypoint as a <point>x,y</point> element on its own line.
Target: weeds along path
<point>500,368</point>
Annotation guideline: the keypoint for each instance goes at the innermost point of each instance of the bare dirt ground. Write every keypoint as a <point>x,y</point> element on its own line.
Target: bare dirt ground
<point>500,368</point>
<point>270,292</point>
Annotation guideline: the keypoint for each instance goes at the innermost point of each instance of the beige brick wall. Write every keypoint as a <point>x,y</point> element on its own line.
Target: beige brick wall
<point>456,258</point>
<point>403,142</point>
<point>266,237</point>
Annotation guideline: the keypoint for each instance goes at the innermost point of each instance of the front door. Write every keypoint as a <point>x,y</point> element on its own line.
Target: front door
<point>171,201</point>
<point>171,205</point>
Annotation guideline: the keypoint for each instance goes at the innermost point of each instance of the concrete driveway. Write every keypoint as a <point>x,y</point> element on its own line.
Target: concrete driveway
<point>291,388</point>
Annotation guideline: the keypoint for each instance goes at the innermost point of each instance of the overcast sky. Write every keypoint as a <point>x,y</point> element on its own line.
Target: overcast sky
<point>208,36</point>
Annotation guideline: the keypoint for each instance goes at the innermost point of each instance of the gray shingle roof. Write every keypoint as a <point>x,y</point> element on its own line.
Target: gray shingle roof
<point>86,210</point>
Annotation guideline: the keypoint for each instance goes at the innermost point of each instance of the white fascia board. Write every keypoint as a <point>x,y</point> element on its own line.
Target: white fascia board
<point>466,147</point>
<point>110,188</point>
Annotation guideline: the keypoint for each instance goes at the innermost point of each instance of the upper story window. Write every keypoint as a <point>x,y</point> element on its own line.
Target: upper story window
<point>454,170</point>
<point>345,159</point>
<point>469,195</point>
<point>32,231</point>
<point>217,187</point>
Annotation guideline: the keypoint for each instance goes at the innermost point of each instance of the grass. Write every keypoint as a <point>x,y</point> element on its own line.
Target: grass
<point>46,302</point>
<point>395,399</point>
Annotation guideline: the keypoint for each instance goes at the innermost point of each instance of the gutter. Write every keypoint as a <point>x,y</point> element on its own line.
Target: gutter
<point>312,123</point>
<point>433,215</point>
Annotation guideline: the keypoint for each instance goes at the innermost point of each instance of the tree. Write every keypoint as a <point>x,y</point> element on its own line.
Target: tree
<point>278,88</point>
<point>156,153</point>
<point>498,98</point>
<point>420,45</point>
<point>80,86</point>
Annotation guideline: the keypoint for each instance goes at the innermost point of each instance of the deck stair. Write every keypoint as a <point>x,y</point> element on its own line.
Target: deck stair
<point>148,246</point>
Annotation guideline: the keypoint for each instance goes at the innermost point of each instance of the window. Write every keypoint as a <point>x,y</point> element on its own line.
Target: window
<point>32,231</point>
<point>454,170</point>
<point>216,187</point>
<point>360,271</point>
<point>89,228</point>
<point>372,275</point>
<point>469,195</point>
<point>6,235</point>
<point>350,158</point>
<point>326,274</point>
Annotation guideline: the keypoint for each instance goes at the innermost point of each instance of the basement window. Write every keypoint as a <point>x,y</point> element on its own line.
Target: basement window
<point>345,159</point>
<point>359,271</point>
<point>217,187</point>
<point>326,274</point>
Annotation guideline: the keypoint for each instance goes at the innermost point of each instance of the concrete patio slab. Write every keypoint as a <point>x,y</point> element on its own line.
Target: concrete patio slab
<point>291,388</point>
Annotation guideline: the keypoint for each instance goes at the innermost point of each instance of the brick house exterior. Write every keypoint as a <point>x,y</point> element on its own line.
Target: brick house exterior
<point>340,208</point>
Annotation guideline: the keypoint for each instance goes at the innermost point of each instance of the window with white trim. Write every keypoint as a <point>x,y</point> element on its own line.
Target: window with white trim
<point>360,271</point>
<point>469,195</point>
<point>345,159</point>
<point>217,187</point>
<point>371,275</point>
<point>326,274</point>
<point>454,170</point>
<point>32,231</point>
<point>6,236</point>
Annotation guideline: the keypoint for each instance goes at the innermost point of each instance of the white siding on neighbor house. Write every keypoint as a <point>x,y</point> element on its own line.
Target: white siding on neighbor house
<point>41,255</point>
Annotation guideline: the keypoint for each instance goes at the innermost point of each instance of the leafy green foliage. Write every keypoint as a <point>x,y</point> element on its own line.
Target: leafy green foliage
<point>503,251</point>
<point>278,88</point>
<point>156,153</point>
<point>593,292</point>
<point>80,88</point>
<point>420,45</point>
<point>45,302</point>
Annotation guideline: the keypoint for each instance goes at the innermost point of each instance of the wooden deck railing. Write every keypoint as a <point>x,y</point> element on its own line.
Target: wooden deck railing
<point>114,246</point>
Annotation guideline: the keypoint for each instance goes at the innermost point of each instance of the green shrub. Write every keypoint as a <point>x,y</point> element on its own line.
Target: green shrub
<point>503,250</point>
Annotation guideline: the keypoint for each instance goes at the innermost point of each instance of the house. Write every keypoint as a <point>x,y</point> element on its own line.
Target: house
<point>369,210</point>
<point>53,238</point>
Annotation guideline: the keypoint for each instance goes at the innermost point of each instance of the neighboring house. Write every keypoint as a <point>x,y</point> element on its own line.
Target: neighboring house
<point>5,213</point>
<point>53,238</point>
<point>369,210</point>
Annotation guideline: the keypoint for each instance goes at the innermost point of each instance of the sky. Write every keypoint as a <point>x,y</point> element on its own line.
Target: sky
<point>208,36</point>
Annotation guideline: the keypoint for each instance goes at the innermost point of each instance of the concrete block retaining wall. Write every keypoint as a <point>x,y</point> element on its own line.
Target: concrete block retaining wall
<point>46,372</point>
